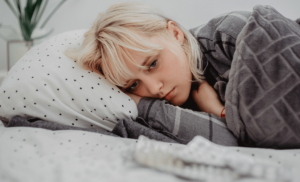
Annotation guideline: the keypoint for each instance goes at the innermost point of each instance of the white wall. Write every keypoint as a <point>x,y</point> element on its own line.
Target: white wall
<point>78,14</point>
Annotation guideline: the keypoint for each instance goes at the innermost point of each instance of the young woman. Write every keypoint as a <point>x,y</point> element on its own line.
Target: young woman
<point>146,54</point>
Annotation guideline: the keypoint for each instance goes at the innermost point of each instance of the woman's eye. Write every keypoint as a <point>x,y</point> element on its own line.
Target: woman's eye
<point>133,86</point>
<point>153,64</point>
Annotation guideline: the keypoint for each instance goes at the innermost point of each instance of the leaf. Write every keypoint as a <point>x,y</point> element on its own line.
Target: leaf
<point>30,16</point>
<point>30,9</point>
<point>18,4</point>
<point>27,29</point>
<point>36,12</point>
<point>29,24</point>
<point>12,8</point>
<point>42,12</point>
<point>23,29</point>
<point>53,11</point>
<point>48,33</point>
<point>27,21</point>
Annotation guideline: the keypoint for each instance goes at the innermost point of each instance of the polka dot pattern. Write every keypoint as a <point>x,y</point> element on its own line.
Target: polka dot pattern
<point>34,154</point>
<point>45,83</point>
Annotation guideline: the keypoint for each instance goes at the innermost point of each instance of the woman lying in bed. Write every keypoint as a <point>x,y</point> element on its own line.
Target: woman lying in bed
<point>148,55</point>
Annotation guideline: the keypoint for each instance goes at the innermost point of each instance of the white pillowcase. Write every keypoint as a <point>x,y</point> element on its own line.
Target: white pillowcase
<point>46,84</point>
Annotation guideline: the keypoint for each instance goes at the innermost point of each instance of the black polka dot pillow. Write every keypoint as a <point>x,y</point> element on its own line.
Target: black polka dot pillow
<point>47,84</point>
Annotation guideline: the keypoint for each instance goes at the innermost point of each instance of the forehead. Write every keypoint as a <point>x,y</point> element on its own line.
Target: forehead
<point>130,60</point>
<point>137,59</point>
<point>141,57</point>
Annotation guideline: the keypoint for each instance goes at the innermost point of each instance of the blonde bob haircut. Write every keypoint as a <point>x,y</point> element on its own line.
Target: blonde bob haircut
<point>123,29</point>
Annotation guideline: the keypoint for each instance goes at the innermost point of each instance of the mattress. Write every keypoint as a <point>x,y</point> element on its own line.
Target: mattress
<point>35,154</point>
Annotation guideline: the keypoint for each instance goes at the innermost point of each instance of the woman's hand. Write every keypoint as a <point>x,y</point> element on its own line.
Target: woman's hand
<point>207,99</point>
<point>134,97</point>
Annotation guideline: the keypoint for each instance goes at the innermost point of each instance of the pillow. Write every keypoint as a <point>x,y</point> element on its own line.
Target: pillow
<point>46,84</point>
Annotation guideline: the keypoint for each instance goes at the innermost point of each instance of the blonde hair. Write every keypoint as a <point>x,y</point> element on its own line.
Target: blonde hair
<point>122,29</point>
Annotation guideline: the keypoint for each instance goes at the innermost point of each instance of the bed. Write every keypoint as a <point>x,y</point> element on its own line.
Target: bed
<point>35,154</point>
<point>47,86</point>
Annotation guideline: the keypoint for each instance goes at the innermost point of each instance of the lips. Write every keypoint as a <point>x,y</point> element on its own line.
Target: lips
<point>170,95</point>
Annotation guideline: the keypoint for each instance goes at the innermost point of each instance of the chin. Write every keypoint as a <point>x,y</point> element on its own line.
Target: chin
<point>179,101</point>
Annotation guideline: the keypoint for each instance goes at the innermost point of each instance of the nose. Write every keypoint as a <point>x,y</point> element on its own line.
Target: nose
<point>153,85</point>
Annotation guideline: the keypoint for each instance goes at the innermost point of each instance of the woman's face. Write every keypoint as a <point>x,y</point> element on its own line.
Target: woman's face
<point>166,78</point>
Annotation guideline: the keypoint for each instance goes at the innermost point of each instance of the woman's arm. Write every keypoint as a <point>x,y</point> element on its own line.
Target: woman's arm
<point>205,97</point>
<point>217,40</point>
<point>208,101</point>
<point>182,124</point>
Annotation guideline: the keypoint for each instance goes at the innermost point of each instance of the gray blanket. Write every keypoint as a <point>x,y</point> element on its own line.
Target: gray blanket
<point>125,128</point>
<point>263,92</point>
<point>134,128</point>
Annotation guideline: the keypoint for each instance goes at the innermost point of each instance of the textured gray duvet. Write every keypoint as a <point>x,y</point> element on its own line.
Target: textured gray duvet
<point>263,92</point>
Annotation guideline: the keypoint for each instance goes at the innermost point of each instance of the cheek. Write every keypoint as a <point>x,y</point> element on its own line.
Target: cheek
<point>141,92</point>
<point>173,70</point>
<point>171,66</point>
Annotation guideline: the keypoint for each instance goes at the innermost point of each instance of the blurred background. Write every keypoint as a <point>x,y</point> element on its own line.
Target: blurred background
<point>79,14</point>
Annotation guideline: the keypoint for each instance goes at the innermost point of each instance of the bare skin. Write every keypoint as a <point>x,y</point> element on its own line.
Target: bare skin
<point>205,97</point>
<point>165,74</point>
<point>168,71</point>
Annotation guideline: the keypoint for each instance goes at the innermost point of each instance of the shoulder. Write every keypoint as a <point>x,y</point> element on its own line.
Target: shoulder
<point>230,23</point>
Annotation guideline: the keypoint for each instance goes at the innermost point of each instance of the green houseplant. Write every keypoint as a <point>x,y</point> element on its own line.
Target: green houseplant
<point>30,16</point>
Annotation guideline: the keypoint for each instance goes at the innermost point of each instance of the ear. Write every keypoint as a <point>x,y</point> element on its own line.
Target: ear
<point>175,31</point>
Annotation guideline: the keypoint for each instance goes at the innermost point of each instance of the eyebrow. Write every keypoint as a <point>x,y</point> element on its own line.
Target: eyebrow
<point>146,60</point>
